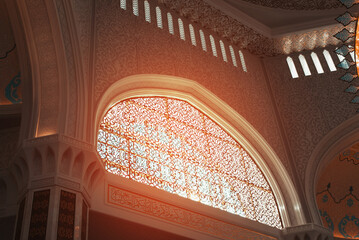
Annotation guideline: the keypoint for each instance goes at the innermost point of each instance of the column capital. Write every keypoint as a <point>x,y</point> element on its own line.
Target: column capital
<point>308,231</point>
<point>57,160</point>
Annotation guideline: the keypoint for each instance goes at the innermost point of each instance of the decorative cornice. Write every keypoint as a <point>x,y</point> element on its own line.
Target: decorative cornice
<point>244,37</point>
<point>226,27</point>
<point>298,4</point>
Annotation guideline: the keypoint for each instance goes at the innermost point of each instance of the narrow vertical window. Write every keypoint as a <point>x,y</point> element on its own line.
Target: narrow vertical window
<point>234,60</point>
<point>223,49</point>
<point>181,29</point>
<point>170,23</point>
<point>305,66</point>
<point>241,56</point>
<point>213,45</point>
<point>123,4</point>
<point>352,55</point>
<point>340,57</point>
<point>329,60</point>
<point>203,40</point>
<point>193,37</point>
<point>147,11</point>
<point>135,7</point>
<point>159,17</point>
<point>317,63</point>
<point>292,68</point>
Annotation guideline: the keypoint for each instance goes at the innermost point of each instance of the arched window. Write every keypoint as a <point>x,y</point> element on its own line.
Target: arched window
<point>193,37</point>
<point>123,4</point>
<point>292,68</point>
<point>213,45</point>
<point>203,40</point>
<point>147,11</point>
<point>329,60</point>
<point>234,60</point>
<point>170,23</point>
<point>159,17</point>
<point>135,7</point>
<point>169,144</point>
<point>181,29</point>
<point>223,49</point>
<point>241,56</point>
<point>305,66</point>
<point>317,63</point>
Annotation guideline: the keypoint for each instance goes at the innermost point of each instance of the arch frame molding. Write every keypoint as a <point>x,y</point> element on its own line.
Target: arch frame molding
<point>146,85</point>
<point>337,140</point>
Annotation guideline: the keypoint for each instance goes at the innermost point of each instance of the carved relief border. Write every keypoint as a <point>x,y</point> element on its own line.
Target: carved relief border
<point>133,201</point>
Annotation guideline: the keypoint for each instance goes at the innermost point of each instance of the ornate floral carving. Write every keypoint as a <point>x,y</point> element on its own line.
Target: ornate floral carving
<point>135,47</point>
<point>308,109</point>
<point>71,72</point>
<point>298,4</point>
<point>226,27</point>
<point>46,63</point>
<point>244,37</point>
<point>177,215</point>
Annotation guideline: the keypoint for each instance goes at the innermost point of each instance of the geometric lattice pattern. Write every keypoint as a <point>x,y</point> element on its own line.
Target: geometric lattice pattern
<point>168,144</point>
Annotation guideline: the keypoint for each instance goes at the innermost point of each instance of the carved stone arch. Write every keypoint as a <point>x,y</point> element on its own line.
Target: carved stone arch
<point>50,160</point>
<point>21,162</point>
<point>78,165</point>
<point>92,175</point>
<point>93,179</point>
<point>37,163</point>
<point>221,113</point>
<point>66,161</point>
<point>19,174</point>
<point>89,170</point>
<point>41,36</point>
<point>338,139</point>
<point>75,44</point>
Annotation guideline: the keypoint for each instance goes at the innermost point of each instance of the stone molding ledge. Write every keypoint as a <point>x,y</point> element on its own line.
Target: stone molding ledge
<point>308,231</point>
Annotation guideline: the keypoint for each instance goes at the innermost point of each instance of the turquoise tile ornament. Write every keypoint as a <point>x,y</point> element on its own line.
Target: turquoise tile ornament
<point>348,77</point>
<point>349,3</point>
<point>355,99</point>
<point>346,18</point>
<point>351,89</point>
<point>345,64</point>
<point>344,50</point>
<point>344,35</point>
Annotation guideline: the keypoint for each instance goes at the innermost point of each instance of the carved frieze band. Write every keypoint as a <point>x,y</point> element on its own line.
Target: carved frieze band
<point>244,37</point>
<point>298,5</point>
<point>123,198</point>
<point>58,138</point>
